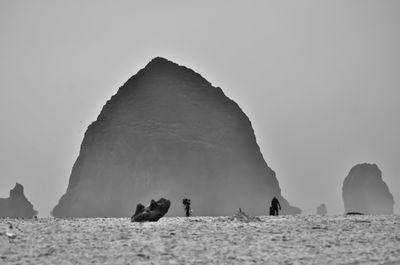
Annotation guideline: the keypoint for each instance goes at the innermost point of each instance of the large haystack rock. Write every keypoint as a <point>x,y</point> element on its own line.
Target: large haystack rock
<point>364,191</point>
<point>169,133</point>
<point>17,205</point>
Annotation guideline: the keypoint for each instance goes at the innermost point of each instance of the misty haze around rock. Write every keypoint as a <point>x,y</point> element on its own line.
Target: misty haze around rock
<point>16,205</point>
<point>364,191</point>
<point>169,133</point>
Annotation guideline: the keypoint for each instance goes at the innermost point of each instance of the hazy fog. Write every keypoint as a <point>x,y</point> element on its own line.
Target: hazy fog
<point>320,82</point>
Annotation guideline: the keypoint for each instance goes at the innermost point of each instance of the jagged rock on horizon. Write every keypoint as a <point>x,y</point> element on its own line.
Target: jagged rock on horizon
<point>151,213</point>
<point>364,191</point>
<point>16,205</point>
<point>169,133</point>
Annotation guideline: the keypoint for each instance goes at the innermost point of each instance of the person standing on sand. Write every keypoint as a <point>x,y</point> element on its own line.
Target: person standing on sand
<point>275,205</point>
<point>186,205</point>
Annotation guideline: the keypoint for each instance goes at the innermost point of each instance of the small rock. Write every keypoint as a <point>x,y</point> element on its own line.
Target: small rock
<point>143,255</point>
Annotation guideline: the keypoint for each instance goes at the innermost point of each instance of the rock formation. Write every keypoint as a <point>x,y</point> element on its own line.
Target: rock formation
<point>151,213</point>
<point>169,133</point>
<point>321,210</point>
<point>241,216</point>
<point>17,205</point>
<point>364,191</point>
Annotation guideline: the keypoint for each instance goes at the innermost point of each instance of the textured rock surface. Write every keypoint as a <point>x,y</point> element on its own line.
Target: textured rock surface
<point>17,205</point>
<point>364,191</point>
<point>151,213</point>
<point>169,133</point>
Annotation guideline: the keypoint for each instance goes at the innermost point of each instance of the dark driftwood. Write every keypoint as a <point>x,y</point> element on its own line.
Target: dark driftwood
<point>354,213</point>
<point>151,213</point>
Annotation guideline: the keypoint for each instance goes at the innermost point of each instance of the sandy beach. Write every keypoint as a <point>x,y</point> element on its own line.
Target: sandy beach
<point>304,239</point>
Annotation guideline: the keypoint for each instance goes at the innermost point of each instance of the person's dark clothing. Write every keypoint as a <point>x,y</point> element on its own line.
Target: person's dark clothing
<point>275,206</point>
<point>186,203</point>
<point>271,211</point>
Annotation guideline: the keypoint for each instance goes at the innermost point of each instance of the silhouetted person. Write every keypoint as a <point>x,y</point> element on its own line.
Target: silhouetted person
<point>186,205</point>
<point>275,206</point>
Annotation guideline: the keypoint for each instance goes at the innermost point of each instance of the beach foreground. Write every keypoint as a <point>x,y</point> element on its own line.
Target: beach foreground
<point>304,239</point>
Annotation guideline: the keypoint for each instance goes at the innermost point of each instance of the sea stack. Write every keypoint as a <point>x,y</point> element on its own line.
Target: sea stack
<point>364,191</point>
<point>169,133</point>
<point>321,210</point>
<point>17,205</point>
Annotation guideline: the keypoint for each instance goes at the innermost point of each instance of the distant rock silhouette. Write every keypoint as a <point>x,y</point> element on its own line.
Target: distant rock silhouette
<point>17,205</point>
<point>151,213</point>
<point>364,191</point>
<point>169,133</point>
<point>321,210</point>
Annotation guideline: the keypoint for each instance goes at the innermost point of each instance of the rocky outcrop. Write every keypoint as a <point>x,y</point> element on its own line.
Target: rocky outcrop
<point>169,133</point>
<point>17,205</point>
<point>321,210</point>
<point>364,191</point>
<point>151,213</point>
<point>241,216</point>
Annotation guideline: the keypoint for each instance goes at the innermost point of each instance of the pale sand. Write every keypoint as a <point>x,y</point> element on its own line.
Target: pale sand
<point>204,240</point>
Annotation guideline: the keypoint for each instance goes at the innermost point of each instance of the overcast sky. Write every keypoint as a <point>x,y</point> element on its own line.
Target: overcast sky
<point>319,80</point>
